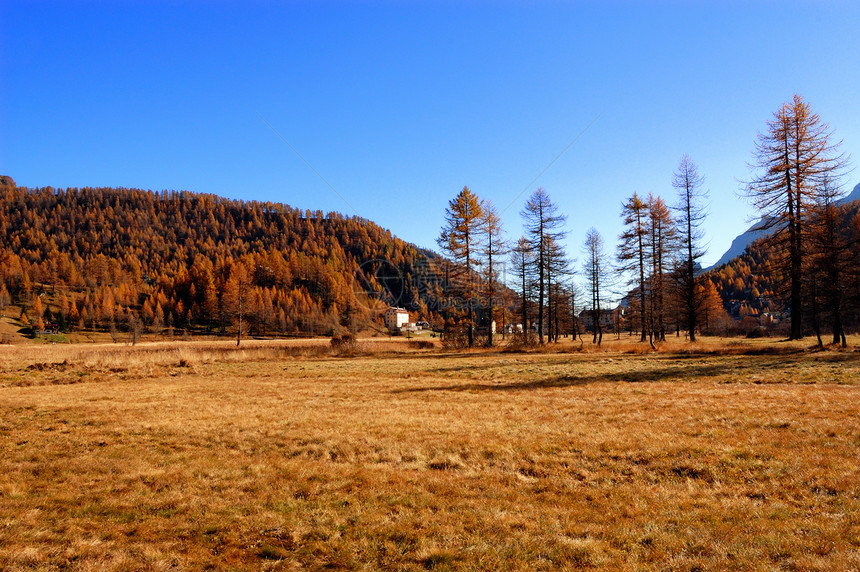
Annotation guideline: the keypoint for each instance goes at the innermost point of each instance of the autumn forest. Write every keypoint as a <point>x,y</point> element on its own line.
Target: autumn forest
<point>129,262</point>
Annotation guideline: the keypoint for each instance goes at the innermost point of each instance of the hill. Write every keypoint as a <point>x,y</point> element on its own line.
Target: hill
<point>125,259</point>
<point>751,284</point>
<point>759,230</point>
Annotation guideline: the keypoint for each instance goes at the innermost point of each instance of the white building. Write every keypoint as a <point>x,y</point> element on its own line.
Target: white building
<point>395,318</point>
<point>513,328</point>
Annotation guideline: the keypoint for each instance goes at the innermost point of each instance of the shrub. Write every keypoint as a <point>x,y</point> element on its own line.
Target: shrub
<point>455,338</point>
<point>343,344</point>
<point>520,341</point>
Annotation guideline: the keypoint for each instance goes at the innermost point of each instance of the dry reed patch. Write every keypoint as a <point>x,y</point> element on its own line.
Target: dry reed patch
<point>68,364</point>
<point>439,461</point>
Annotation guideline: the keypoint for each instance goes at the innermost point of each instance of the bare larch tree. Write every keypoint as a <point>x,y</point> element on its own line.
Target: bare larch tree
<point>691,214</point>
<point>543,223</point>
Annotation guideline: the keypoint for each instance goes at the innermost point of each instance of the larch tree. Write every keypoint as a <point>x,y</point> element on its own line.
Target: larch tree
<point>834,254</point>
<point>38,313</point>
<point>521,260</point>
<point>791,160</point>
<point>574,294</point>
<point>543,223</point>
<point>558,269</point>
<point>595,274</point>
<point>38,310</point>
<point>5,298</point>
<point>712,314</point>
<point>493,246</point>
<point>661,240</point>
<point>460,238</point>
<point>505,309</point>
<point>691,215</point>
<point>632,251</point>
<point>236,299</point>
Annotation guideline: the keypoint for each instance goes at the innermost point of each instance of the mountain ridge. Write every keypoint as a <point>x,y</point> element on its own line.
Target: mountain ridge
<point>759,230</point>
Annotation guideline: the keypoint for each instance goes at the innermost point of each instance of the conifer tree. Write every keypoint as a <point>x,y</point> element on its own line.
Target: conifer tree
<point>521,260</point>
<point>792,159</point>
<point>558,270</point>
<point>711,311</point>
<point>661,241</point>
<point>631,251</point>
<point>834,254</point>
<point>691,215</point>
<point>460,238</point>
<point>236,299</point>
<point>595,274</point>
<point>493,247</point>
<point>543,223</point>
<point>5,298</point>
<point>38,309</point>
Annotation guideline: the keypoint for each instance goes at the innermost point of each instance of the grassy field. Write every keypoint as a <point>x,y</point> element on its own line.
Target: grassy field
<point>280,456</point>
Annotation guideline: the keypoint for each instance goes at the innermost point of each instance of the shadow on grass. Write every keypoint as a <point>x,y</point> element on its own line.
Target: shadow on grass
<point>753,361</point>
<point>677,373</point>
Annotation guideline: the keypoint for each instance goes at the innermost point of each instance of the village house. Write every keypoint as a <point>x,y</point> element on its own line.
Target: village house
<point>610,320</point>
<point>395,318</point>
<point>513,328</point>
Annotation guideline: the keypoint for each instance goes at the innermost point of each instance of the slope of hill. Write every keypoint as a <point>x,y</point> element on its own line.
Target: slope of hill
<point>756,231</point>
<point>126,258</point>
<point>741,242</point>
<point>751,283</point>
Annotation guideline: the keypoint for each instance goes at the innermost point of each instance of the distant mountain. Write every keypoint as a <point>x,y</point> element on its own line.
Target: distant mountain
<point>853,196</point>
<point>757,231</point>
<point>741,242</point>
<point>754,283</point>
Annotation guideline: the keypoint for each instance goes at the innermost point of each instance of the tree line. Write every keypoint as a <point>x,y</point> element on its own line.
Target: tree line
<point>131,261</point>
<point>126,260</point>
<point>657,255</point>
<point>806,267</point>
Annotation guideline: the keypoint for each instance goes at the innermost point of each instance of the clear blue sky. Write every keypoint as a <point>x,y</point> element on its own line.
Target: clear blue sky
<point>400,104</point>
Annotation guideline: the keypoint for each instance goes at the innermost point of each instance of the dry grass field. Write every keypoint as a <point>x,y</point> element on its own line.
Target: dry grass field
<point>280,456</point>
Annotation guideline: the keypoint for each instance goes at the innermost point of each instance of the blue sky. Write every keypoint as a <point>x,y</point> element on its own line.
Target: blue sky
<point>398,105</point>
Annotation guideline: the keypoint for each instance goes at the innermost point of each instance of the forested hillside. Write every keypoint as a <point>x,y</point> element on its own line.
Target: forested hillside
<point>130,259</point>
<point>753,285</point>
<point>747,285</point>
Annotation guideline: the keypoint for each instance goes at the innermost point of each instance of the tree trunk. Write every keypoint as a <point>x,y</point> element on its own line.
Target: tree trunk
<point>816,325</point>
<point>691,281</point>
<point>490,291</point>
<point>469,287</point>
<point>524,325</point>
